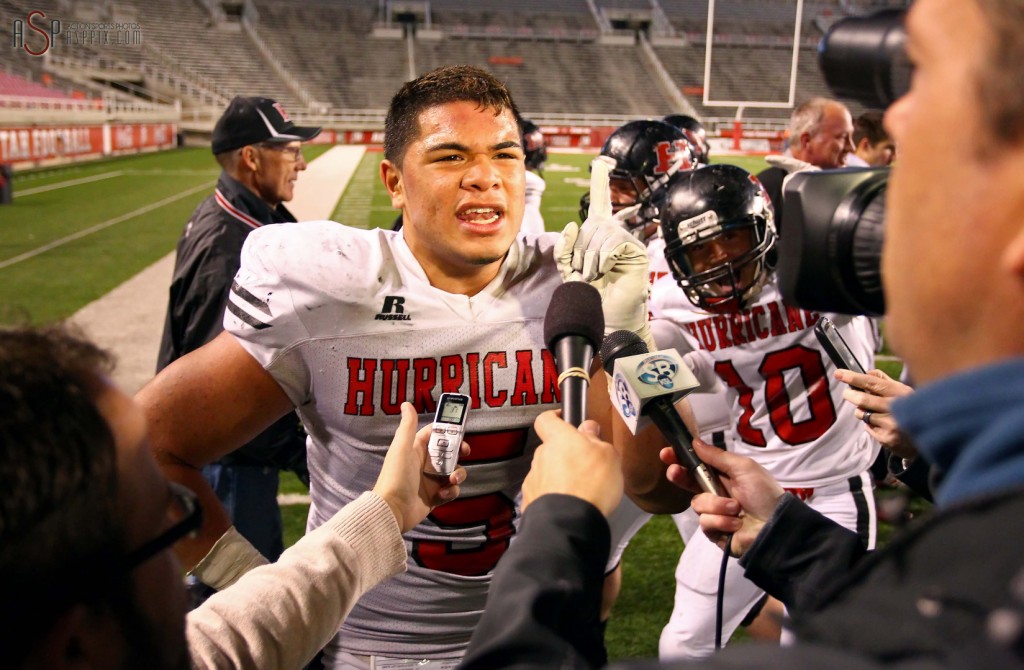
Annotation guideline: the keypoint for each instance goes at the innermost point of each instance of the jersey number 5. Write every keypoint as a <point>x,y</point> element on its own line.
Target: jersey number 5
<point>494,511</point>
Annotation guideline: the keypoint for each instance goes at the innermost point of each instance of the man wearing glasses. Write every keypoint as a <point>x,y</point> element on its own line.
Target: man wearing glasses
<point>260,152</point>
<point>87,522</point>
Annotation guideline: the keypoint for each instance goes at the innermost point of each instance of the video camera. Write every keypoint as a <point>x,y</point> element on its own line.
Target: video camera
<point>834,220</point>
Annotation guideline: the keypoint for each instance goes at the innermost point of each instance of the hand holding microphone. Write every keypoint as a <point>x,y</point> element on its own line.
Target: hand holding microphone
<point>573,327</point>
<point>648,384</point>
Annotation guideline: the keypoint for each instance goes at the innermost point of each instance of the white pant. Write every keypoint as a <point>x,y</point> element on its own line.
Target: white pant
<point>690,632</point>
<point>347,661</point>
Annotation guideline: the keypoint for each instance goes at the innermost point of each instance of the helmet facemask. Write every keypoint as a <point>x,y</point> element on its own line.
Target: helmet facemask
<point>722,267</point>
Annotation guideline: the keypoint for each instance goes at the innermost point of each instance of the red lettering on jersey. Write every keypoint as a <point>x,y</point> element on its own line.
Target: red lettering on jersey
<point>817,396</point>
<point>360,385</point>
<point>493,397</point>
<point>707,335</point>
<point>549,392</point>
<point>795,321</point>
<point>811,318</point>
<point>656,275</point>
<point>757,322</point>
<point>451,374</point>
<point>394,382</point>
<point>494,511</point>
<point>722,330</point>
<point>424,381</point>
<point>752,436</point>
<point>778,323</point>
<point>748,325</point>
<point>736,329</point>
<point>473,363</point>
<point>525,393</point>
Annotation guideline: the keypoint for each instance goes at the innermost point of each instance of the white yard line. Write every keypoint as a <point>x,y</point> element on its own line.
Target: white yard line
<point>64,184</point>
<point>129,320</point>
<point>100,226</point>
<point>293,499</point>
<point>320,185</point>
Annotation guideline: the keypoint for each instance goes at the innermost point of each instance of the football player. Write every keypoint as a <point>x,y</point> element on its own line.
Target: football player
<point>536,151</point>
<point>787,411</point>
<point>647,153</point>
<point>345,324</point>
<point>695,133</point>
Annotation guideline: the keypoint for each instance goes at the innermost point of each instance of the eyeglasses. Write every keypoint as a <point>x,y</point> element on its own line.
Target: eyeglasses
<point>293,151</point>
<point>186,517</point>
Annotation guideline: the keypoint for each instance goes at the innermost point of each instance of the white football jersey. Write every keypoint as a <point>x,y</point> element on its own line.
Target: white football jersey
<point>533,222</point>
<point>349,326</point>
<point>787,411</point>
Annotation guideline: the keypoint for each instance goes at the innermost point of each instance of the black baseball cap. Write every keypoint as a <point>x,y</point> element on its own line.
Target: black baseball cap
<point>251,120</point>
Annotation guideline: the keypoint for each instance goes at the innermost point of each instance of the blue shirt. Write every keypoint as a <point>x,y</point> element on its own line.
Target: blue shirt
<point>971,426</point>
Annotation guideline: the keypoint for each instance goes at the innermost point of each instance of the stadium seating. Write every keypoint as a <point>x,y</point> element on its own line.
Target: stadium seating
<point>326,59</point>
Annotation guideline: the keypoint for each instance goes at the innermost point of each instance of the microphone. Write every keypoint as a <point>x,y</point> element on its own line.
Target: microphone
<point>573,327</point>
<point>648,385</point>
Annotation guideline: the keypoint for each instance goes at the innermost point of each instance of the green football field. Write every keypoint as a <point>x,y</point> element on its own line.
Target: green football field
<point>74,233</point>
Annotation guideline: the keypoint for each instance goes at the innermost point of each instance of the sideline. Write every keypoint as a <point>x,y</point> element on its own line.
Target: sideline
<point>100,226</point>
<point>128,321</point>
<point>65,184</point>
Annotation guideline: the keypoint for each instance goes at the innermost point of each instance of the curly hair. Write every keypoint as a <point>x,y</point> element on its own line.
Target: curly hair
<point>456,83</point>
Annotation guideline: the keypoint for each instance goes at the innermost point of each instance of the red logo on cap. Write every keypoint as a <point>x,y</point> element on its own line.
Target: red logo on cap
<point>284,114</point>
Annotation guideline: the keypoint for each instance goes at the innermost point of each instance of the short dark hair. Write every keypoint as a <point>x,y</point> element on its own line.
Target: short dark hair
<point>1000,94</point>
<point>456,83</point>
<point>869,125</point>
<point>58,474</point>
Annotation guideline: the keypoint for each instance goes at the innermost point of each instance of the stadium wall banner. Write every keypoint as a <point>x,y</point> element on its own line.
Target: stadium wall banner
<point>24,147</point>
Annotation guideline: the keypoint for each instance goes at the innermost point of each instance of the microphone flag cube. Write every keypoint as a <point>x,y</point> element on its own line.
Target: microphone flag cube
<point>641,378</point>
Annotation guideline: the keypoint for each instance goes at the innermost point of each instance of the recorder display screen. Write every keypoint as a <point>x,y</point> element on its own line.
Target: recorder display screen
<point>452,411</point>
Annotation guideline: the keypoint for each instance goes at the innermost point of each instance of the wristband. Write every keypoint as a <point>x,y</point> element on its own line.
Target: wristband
<point>230,557</point>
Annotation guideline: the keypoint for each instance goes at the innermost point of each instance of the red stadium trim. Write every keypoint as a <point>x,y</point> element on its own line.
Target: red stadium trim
<point>237,213</point>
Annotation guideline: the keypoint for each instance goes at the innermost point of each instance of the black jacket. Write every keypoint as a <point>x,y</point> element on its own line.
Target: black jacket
<point>926,600</point>
<point>208,257</point>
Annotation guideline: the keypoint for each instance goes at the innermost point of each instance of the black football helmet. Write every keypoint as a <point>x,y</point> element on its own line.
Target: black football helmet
<point>646,154</point>
<point>719,233</point>
<point>534,146</point>
<point>695,133</point>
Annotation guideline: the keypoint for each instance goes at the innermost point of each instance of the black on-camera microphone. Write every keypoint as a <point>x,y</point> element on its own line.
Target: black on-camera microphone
<point>648,380</point>
<point>573,327</point>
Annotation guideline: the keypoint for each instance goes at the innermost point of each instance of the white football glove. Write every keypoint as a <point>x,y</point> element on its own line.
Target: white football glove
<point>231,557</point>
<point>608,258</point>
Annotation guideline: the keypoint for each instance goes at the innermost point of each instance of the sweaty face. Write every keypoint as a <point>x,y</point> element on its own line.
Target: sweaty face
<point>461,189</point>
<point>828,147</point>
<point>726,247</point>
<point>625,193</point>
<point>279,167</point>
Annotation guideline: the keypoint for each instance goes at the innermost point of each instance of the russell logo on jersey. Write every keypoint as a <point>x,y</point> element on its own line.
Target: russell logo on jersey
<point>393,309</point>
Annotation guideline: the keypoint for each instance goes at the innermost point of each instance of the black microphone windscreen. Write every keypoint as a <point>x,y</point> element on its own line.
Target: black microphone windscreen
<point>620,344</point>
<point>575,309</point>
